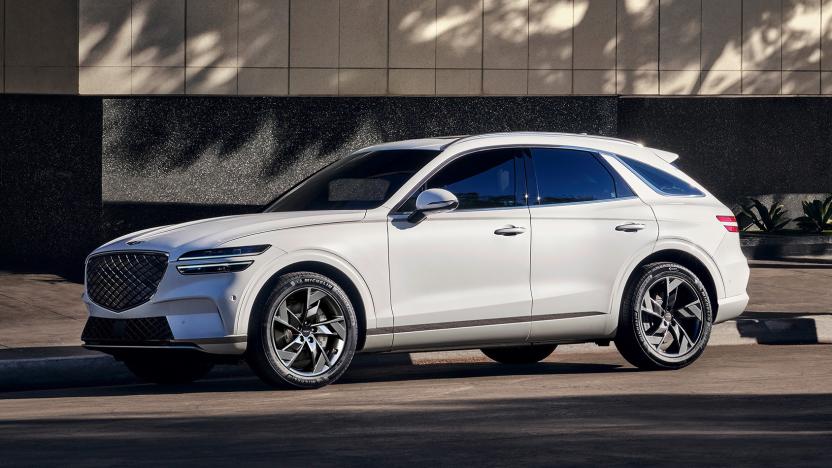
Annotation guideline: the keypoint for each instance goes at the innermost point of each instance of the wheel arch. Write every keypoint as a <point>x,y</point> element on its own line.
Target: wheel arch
<point>684,254</point>
<point>338,270</point>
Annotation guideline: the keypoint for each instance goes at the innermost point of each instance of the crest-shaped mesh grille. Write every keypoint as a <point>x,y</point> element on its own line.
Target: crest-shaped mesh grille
<point>125,331</point>
<point>120,281</point>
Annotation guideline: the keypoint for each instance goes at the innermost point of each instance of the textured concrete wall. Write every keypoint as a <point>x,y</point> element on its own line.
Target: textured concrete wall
<point>417,47</point>
<point>172,159</point>
<point>78,170</point>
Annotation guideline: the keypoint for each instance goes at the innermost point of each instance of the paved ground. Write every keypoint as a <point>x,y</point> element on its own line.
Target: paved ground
<point>790,289</point>
<point>739,405</point>
<point>46,310</point>
<point>40,310</point>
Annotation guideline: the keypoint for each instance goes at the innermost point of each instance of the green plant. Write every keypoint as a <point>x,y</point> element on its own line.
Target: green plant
<point>767,219</point>
<point>817,215</point>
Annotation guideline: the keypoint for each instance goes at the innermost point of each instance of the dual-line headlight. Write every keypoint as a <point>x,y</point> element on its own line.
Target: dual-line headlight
<point>220,254</point>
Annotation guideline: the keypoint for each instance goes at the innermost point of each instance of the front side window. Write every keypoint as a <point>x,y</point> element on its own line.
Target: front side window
<point>358,182</point>
<point>661,181</point>
<point>570,176</point>
<point>486,179</point>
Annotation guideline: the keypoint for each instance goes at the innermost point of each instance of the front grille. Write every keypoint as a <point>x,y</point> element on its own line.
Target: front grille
<point>119,281</point>
<point>126,331</point>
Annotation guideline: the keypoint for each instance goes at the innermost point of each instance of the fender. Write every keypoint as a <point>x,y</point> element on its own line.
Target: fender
<point>671,243</point>
<point>307,255</point>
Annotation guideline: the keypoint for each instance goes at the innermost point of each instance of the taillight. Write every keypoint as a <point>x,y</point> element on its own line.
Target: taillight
<point>730,223</point>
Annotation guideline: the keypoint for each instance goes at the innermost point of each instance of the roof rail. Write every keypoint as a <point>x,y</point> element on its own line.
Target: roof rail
<point>604,137</point>
<point>449,137</point>
<point>452,139</point>
<point>600,137</point>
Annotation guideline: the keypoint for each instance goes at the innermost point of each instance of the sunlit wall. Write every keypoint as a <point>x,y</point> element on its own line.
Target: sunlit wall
<point>418,47</point>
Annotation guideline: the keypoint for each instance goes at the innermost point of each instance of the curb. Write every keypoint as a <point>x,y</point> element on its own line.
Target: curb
<point>783,247</point>
<point>61,367</point>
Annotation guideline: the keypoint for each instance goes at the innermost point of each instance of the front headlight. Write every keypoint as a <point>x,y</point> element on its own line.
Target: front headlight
<point>225,252</point>
<point>205,268</point>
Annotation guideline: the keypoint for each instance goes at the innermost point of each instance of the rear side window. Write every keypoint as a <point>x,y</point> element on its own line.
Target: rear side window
<point>569,176</point>
<point>661,181</point>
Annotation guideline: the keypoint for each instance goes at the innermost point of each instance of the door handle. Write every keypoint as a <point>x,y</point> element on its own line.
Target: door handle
<point>630,227</point>
<point>510,231</point>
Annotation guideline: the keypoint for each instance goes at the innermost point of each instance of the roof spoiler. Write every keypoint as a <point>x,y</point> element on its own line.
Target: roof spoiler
<point>666,155</point>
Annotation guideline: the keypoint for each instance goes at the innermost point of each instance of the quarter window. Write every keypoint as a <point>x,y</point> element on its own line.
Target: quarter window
<point>661,181</point>
<point>569,176</point>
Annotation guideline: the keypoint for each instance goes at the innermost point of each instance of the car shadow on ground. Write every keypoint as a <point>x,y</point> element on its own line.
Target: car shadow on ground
<point>627,429</point>
<point>241,379</point>
<point>367,374</point>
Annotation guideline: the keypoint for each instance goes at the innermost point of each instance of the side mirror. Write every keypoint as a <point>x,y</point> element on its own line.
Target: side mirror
<point>433,201</point>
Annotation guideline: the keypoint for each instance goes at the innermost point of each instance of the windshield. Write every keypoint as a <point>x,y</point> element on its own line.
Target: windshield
<point>361,181</point>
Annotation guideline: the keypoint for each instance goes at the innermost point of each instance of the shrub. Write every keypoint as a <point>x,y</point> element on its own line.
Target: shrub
<point>767,219</point>
<point>817,215</point>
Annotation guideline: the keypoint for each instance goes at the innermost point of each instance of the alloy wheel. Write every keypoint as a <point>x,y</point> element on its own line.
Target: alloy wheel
<point>670,317</point>
<point>308,331</point>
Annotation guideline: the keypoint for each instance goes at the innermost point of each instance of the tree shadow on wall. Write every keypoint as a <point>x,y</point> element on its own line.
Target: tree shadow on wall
<point>167,134</point>
<point>176,132</point>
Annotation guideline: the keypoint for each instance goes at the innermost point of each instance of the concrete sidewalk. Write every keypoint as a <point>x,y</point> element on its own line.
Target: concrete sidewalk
<point>39,310</point>
<point>41,319</point>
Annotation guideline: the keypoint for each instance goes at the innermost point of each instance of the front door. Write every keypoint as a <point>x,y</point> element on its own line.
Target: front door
<point>462,277</point>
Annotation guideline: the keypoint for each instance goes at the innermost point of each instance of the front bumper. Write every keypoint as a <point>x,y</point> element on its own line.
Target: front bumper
<point>171,332</point>
<point>195,311</point>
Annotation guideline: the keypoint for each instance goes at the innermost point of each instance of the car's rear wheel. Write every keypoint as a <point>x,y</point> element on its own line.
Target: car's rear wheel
<point>306,334</point>
<point>519,354</point>
<point>168,368</point>
<point>665,318</point>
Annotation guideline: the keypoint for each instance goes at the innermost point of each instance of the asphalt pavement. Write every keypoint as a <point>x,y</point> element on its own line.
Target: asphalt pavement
<point>737,406</point>
<point>749,404</point>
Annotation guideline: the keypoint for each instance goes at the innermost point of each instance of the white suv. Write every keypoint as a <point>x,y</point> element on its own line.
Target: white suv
<point>512,243</point>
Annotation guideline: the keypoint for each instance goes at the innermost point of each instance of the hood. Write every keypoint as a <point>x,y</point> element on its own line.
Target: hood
<point>214,232</point>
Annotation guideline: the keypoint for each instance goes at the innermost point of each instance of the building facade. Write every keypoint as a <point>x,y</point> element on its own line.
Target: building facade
<point>417,47</point>
<point>121,114</point>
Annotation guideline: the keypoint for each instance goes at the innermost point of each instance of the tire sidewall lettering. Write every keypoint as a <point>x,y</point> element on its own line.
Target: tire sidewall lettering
<point>635,304</point>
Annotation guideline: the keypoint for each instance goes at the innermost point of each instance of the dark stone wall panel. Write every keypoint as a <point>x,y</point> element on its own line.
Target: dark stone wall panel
<point>159,160</point>
<point>738,147</point>
<point>50,181</point>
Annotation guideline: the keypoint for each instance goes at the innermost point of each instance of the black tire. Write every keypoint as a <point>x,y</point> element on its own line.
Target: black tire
<point>632,339</point>
<point>169,368</point>
<point>520,354</point>
<point>262,354</point>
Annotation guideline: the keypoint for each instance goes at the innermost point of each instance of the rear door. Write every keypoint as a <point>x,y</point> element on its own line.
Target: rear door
<point>586,226</point>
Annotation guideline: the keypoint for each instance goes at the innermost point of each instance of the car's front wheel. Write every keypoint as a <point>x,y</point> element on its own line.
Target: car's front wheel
<point>306,334</point>
<point>168,368</point>
<point>665,318</point>
<point>519,354</point>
